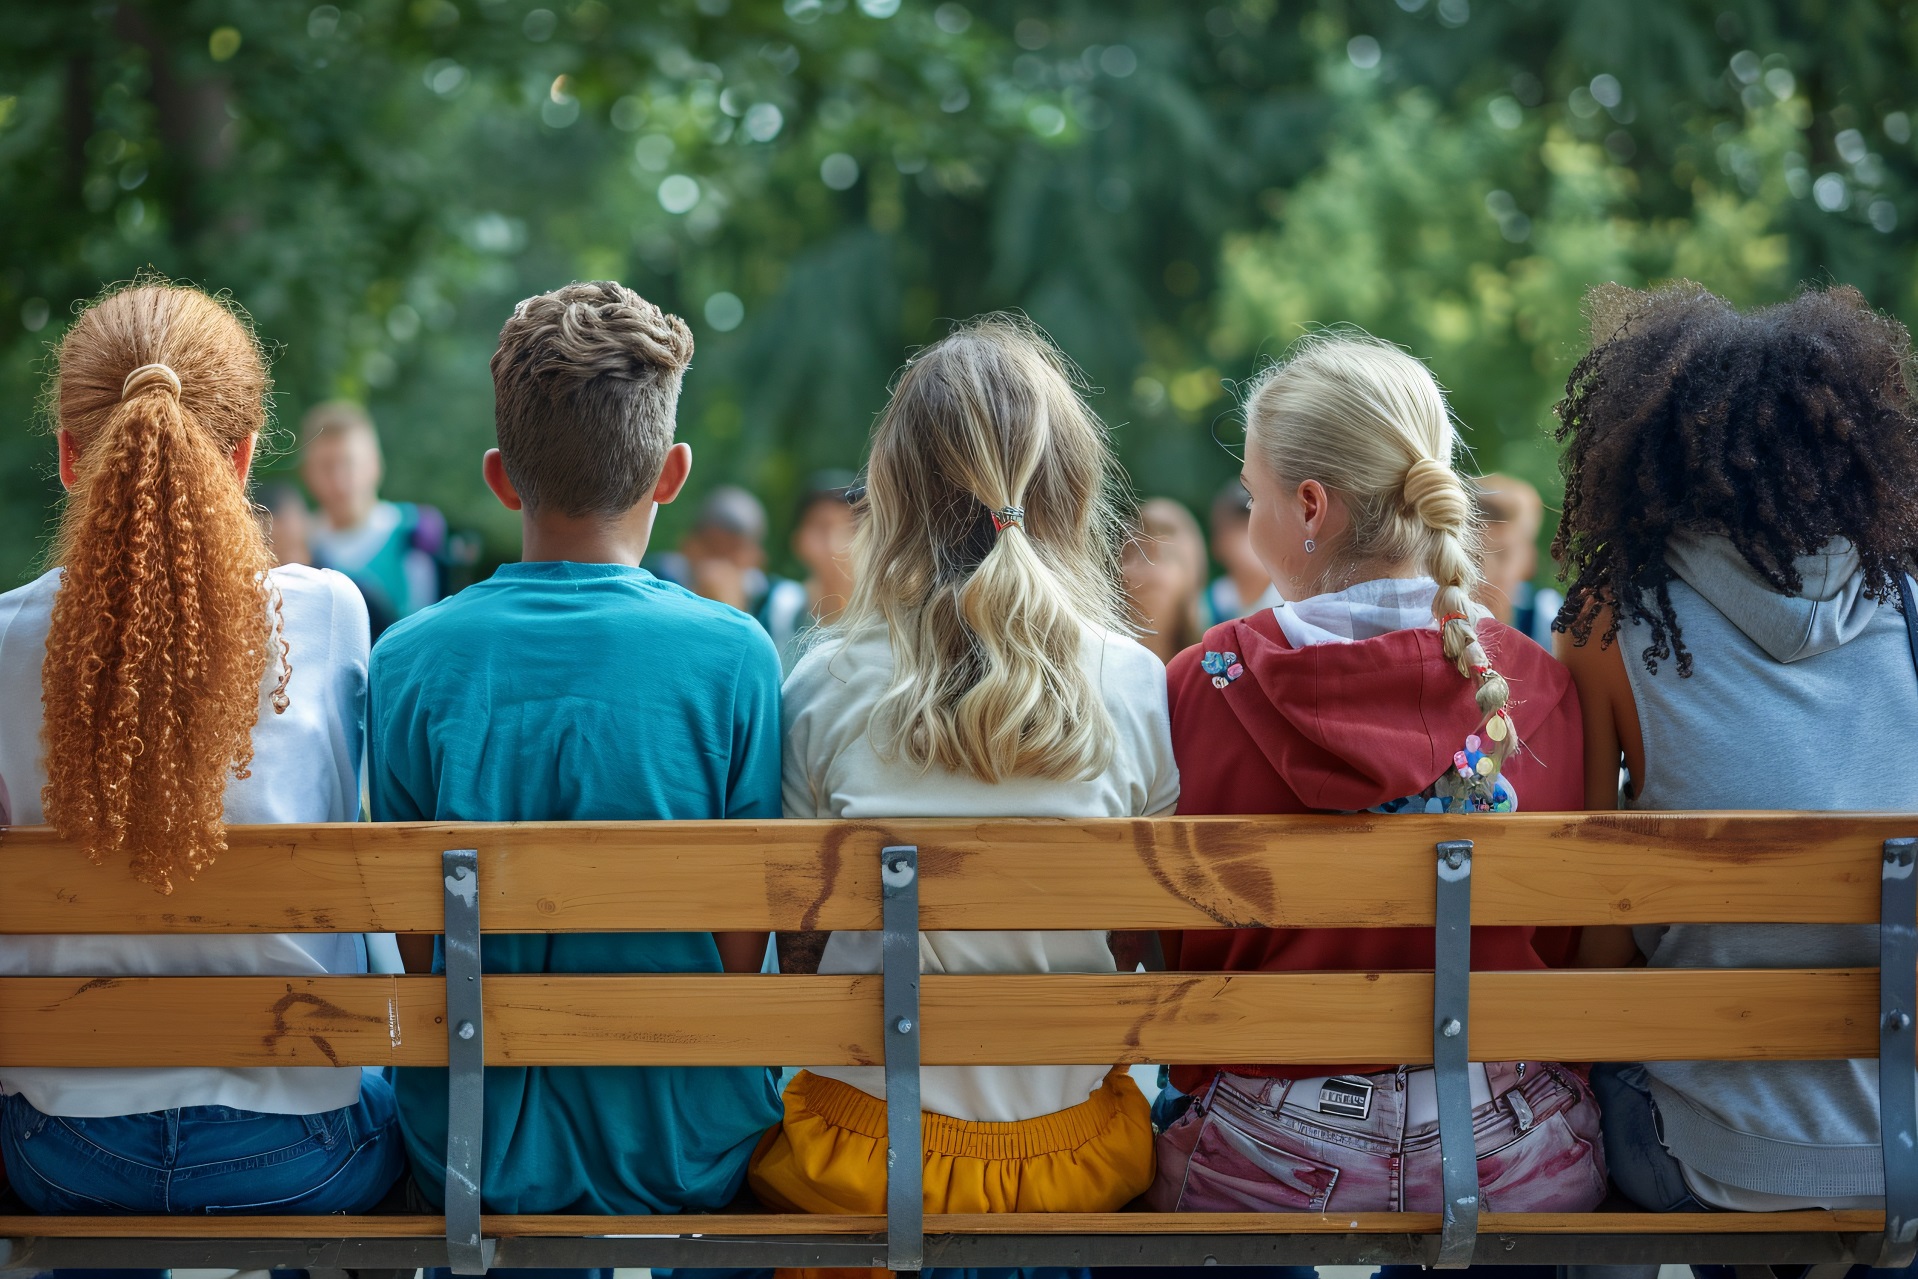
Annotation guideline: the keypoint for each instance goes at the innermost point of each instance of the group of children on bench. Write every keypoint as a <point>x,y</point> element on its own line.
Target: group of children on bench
<point>1741,499</point>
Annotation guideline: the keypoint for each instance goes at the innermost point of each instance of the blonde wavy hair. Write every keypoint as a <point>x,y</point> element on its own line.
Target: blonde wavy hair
<point>1370,423</point>
<point>163,625</point>
<point>988,626</point>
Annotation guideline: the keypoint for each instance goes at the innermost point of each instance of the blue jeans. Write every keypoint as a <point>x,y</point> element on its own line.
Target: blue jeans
<point>1642,1169</point>
<point>204,1159</point>
<point>1645,1172</point>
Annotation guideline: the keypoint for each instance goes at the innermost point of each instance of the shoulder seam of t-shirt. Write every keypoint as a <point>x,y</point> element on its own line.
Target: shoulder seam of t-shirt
<point>7,619</point>
<point>343,615</point>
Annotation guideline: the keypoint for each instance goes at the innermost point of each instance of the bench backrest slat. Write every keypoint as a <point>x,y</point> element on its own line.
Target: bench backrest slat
<point>1204,872</point>
<point>977,1020</point>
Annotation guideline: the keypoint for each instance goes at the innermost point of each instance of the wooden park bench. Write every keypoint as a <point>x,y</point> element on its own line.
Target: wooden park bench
<point>1318,872</point>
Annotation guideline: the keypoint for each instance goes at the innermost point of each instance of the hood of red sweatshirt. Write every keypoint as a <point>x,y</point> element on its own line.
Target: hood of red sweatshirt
<point>1349,726</point>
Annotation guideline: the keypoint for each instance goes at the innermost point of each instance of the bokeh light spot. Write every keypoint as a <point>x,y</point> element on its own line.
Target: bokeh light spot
<point>839,171</point>
<point>678,193</point>
<point>764,121</point>
<point>1046,120</point>
<point>1832,193</point>
<point>725,312</point>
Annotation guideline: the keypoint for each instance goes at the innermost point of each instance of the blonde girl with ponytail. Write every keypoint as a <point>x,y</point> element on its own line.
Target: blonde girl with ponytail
<point>1376,684</point>
<point>161,680</point>
<point>981,669</point>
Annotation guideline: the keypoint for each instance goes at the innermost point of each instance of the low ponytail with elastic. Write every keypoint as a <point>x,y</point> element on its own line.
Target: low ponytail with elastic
<point>987,549</point>
<point>163,627</point>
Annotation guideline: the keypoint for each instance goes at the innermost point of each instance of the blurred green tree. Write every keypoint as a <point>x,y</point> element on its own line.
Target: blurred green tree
<point>1173,191</point>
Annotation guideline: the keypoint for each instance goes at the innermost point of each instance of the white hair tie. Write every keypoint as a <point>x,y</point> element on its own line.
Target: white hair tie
<point>148,376</point>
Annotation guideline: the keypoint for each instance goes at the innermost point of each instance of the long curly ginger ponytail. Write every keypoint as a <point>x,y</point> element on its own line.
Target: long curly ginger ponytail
<point>162,628</point>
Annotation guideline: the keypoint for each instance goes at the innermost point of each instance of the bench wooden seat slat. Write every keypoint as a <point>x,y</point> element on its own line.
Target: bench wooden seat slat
<point>1180,872</point>
<point>1064,1223</point>
<point>677,1019</point>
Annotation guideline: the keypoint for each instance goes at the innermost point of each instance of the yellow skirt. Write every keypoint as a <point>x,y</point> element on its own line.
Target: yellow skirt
<point>829,1154</point>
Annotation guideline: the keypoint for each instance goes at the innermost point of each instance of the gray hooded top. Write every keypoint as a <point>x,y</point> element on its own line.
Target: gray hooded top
<point>1806,701</point>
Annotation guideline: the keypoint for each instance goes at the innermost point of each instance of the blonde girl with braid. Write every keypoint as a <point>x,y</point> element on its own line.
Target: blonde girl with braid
<point>161,680</point>
<point>981,669</point>
<point>1376,684</point>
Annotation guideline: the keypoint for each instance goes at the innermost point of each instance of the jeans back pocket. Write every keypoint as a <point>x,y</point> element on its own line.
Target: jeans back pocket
<point>1241,1164</point>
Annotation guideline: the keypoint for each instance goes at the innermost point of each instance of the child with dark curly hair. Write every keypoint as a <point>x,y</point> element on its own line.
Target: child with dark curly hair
<point>1741,504</point>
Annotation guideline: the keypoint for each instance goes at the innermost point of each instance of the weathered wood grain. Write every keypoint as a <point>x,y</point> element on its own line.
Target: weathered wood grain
<point>1072,1223</point>
<point>1007,1019</point>
<point>1182,872</point>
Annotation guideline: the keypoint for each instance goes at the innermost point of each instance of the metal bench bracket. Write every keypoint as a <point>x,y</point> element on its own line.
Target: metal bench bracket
<point>466,1251</point>
<point>899,962</point>
<point>1897,1043</point>
<point>1451,1024</point>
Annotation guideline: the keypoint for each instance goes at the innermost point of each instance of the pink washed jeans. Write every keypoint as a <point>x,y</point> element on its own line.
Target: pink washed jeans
<point>1347,1145</point>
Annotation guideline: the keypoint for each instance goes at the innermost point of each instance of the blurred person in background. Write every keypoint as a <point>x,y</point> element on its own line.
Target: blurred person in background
<point>1164,570</point>
<point>391,550</point>
<point>285,519</point>
<point>1510,514</point>
<point>723,555</point>
<point>1245,589</point>
<point>822,536</point>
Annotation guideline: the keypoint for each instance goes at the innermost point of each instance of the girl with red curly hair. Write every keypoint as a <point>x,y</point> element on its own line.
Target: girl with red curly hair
<point>182,682</point>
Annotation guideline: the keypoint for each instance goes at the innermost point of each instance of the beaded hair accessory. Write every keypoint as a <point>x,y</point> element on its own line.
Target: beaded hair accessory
<point>1008,517</point>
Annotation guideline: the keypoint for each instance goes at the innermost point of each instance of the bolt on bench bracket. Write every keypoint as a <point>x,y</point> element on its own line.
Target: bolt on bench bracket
<point>899,964</point>
<point>1451,1021</point>
<point>1897,1043</point>
<point>466,1252</point>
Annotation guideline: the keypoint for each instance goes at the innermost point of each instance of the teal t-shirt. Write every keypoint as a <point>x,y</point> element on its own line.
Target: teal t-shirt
<point>583,692</point>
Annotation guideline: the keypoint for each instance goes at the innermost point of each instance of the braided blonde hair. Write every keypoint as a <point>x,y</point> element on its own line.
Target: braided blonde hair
<point>1371,424</point>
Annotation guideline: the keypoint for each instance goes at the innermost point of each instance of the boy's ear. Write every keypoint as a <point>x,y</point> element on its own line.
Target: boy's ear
<point>493,468</point>
<point>672,476</point>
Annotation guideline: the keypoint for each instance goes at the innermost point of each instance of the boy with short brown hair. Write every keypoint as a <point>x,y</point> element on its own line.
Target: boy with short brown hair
<point>575,686</point>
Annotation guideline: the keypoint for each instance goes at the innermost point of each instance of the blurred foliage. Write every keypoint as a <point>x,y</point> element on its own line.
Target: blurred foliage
<point>1173,191</point>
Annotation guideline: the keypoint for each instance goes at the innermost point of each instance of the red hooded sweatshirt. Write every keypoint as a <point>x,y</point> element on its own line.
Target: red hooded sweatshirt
<point>1341,728</point>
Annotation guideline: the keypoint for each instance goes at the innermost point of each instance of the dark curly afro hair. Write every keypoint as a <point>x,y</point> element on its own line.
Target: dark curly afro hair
<point>1781,428</point>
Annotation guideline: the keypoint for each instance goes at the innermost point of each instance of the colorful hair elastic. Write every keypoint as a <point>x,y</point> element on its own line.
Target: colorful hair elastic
<point>1007,517</point>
